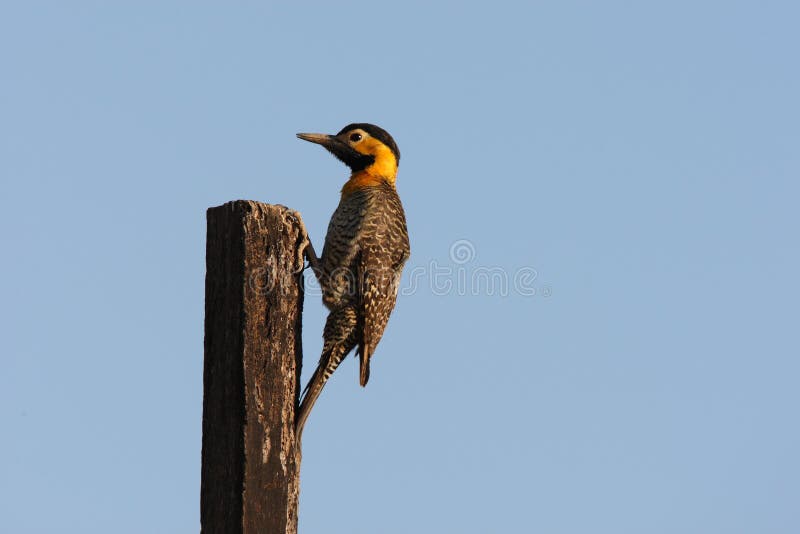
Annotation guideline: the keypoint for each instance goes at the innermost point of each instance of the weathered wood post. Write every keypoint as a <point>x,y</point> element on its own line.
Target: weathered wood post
<point>251,377</point>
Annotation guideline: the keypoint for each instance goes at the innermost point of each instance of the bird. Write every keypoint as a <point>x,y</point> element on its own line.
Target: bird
<point>365,249</point>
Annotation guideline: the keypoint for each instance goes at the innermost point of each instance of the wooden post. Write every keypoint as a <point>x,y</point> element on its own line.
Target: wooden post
<point>251,377</point>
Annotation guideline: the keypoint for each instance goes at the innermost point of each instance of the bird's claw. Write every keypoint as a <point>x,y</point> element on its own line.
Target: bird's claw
<point>304,242</point>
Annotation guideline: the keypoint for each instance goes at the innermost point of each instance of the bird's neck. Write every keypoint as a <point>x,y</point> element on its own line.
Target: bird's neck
<point>367,178</point>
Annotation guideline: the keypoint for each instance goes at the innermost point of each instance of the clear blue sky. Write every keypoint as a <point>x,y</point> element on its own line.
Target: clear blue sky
<point>642,159</point>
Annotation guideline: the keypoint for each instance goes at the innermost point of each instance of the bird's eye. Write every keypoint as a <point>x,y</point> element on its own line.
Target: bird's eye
<point>356,137</point>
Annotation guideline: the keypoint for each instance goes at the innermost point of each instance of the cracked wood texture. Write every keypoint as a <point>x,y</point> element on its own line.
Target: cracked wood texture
<point>251,376</point>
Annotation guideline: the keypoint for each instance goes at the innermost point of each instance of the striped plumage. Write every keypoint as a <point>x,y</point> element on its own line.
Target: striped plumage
<point>365,249</point>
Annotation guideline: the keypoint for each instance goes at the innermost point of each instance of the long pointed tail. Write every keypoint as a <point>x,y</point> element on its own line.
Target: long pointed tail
<point>340,338</point>
<point>328,364</point>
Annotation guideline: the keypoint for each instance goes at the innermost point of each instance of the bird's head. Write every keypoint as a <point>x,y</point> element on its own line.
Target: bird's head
<point>365,148</point>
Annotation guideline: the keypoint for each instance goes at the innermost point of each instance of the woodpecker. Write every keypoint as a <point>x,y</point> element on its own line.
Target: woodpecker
<point>365,249</point>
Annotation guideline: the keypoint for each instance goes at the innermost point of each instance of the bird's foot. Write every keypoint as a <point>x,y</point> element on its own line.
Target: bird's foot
<point>304,247</point>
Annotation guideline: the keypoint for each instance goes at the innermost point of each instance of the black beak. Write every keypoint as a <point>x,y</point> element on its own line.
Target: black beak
<point>320,139</point>
<point>339,148</point>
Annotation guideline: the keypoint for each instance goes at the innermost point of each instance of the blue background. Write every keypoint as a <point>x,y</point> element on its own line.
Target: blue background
<point>641,157</point>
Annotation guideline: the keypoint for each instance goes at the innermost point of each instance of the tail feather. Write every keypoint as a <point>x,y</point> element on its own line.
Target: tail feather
<point>328,363</point>
<point>340,338</point>
<point>310,395</point>
<point>364,371</point>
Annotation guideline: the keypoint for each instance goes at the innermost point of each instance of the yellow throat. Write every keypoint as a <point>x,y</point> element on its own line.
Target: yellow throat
<point>384,169</point>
